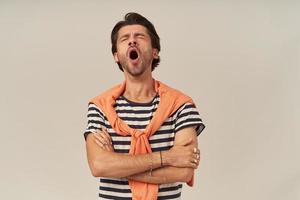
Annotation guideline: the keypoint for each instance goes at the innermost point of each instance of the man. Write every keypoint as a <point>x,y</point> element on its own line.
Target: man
<point>144,134</point>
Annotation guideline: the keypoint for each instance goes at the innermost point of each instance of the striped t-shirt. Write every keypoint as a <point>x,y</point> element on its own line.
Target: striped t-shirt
<point>137,116</point>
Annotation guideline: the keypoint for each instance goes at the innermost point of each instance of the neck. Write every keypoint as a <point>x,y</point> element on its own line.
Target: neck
<point>139,90</point>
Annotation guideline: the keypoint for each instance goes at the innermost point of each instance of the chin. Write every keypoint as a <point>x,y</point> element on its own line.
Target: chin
<point>136,74</point>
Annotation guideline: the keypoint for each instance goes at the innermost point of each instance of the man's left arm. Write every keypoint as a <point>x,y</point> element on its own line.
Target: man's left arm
<point>169,174</point>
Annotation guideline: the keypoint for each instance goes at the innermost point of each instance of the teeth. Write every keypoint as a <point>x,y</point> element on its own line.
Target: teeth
<point>133,55</point>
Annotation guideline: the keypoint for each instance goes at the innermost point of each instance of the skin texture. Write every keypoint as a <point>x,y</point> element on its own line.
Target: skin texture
<point>167,173</point>
<point>135,37</point>
<point>180,161</point>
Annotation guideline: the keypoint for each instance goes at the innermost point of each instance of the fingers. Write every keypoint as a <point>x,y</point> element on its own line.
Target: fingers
<point>107,139</point>
<point>104,134</point>
<point>101,143</point>
<point>194,163</point>
<point>97,141</point>
<point>110,147</point>
<point>107,136</point>
<point>103,139</point>
<point>196,153</point>
<point>196,150</point>
<point>196,158</point>
<point>185,156</point>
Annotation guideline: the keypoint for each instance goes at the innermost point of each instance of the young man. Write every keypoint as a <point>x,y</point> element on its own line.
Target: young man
<point>143,144</point>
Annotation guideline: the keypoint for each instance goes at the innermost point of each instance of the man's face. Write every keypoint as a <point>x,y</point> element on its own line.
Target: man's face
<point>134,50</point>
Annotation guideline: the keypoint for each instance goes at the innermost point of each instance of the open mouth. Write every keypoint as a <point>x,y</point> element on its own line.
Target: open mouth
<point>133,55</point>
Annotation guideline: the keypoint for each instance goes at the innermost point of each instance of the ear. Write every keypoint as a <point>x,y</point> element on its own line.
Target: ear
<point>155,53</point>
<point>116,58</point>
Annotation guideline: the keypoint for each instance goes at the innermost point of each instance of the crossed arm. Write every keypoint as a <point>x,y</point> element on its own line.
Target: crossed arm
<point>178,163</point>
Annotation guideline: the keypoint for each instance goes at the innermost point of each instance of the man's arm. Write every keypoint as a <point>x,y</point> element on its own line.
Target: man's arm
<point>164,175</point>
<point>106,163</point>
<point>172,174</point>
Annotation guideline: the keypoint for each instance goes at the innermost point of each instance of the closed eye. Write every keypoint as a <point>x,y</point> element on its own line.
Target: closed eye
<point>140,35</point>
<point>123,38</point>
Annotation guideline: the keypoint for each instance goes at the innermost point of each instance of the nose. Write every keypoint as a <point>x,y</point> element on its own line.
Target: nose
<point>132,43</point>
<point>132,40</point>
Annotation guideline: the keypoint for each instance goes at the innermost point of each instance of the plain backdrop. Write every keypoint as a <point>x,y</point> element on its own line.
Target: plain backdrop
<point>238,60</point>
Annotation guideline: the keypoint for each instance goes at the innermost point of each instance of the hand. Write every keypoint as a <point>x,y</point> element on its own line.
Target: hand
<point>103,139</point>
<point>182,156</point>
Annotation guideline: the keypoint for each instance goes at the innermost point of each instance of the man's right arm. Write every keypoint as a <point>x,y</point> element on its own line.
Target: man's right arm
<point>117,165</point>
<point>105,163</point>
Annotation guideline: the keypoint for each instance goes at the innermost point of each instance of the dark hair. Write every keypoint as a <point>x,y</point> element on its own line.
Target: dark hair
<point>132,19</point>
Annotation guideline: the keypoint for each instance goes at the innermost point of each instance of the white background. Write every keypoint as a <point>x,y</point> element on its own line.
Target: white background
<point>238,60</point>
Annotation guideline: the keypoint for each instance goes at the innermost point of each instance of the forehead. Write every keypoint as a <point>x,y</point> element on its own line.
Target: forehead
<point>128,29</point>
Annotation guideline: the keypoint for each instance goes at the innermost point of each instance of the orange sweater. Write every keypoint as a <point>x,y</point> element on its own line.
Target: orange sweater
<point>170,101</point>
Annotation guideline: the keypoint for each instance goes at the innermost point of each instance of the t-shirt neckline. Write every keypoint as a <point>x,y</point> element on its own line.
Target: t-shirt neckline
<point>139,103</point>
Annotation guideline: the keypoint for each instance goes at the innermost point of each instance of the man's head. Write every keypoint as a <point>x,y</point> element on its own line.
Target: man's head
<point>133,39</point>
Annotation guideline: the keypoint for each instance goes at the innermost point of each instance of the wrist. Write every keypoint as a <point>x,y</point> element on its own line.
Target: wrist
<point>155,159</point>
<point>165,158</point>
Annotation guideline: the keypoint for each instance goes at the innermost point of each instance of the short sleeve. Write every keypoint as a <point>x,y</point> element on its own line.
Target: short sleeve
<point>95,119</point>
<point>188,116</point>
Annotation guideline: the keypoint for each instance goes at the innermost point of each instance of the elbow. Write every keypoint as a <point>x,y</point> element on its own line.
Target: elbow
<point>95,173</point>
<point>187,174</point>
<point>96,169</point>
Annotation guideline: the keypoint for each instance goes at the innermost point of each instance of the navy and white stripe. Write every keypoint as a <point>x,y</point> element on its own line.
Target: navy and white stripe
<point>138,116</point>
